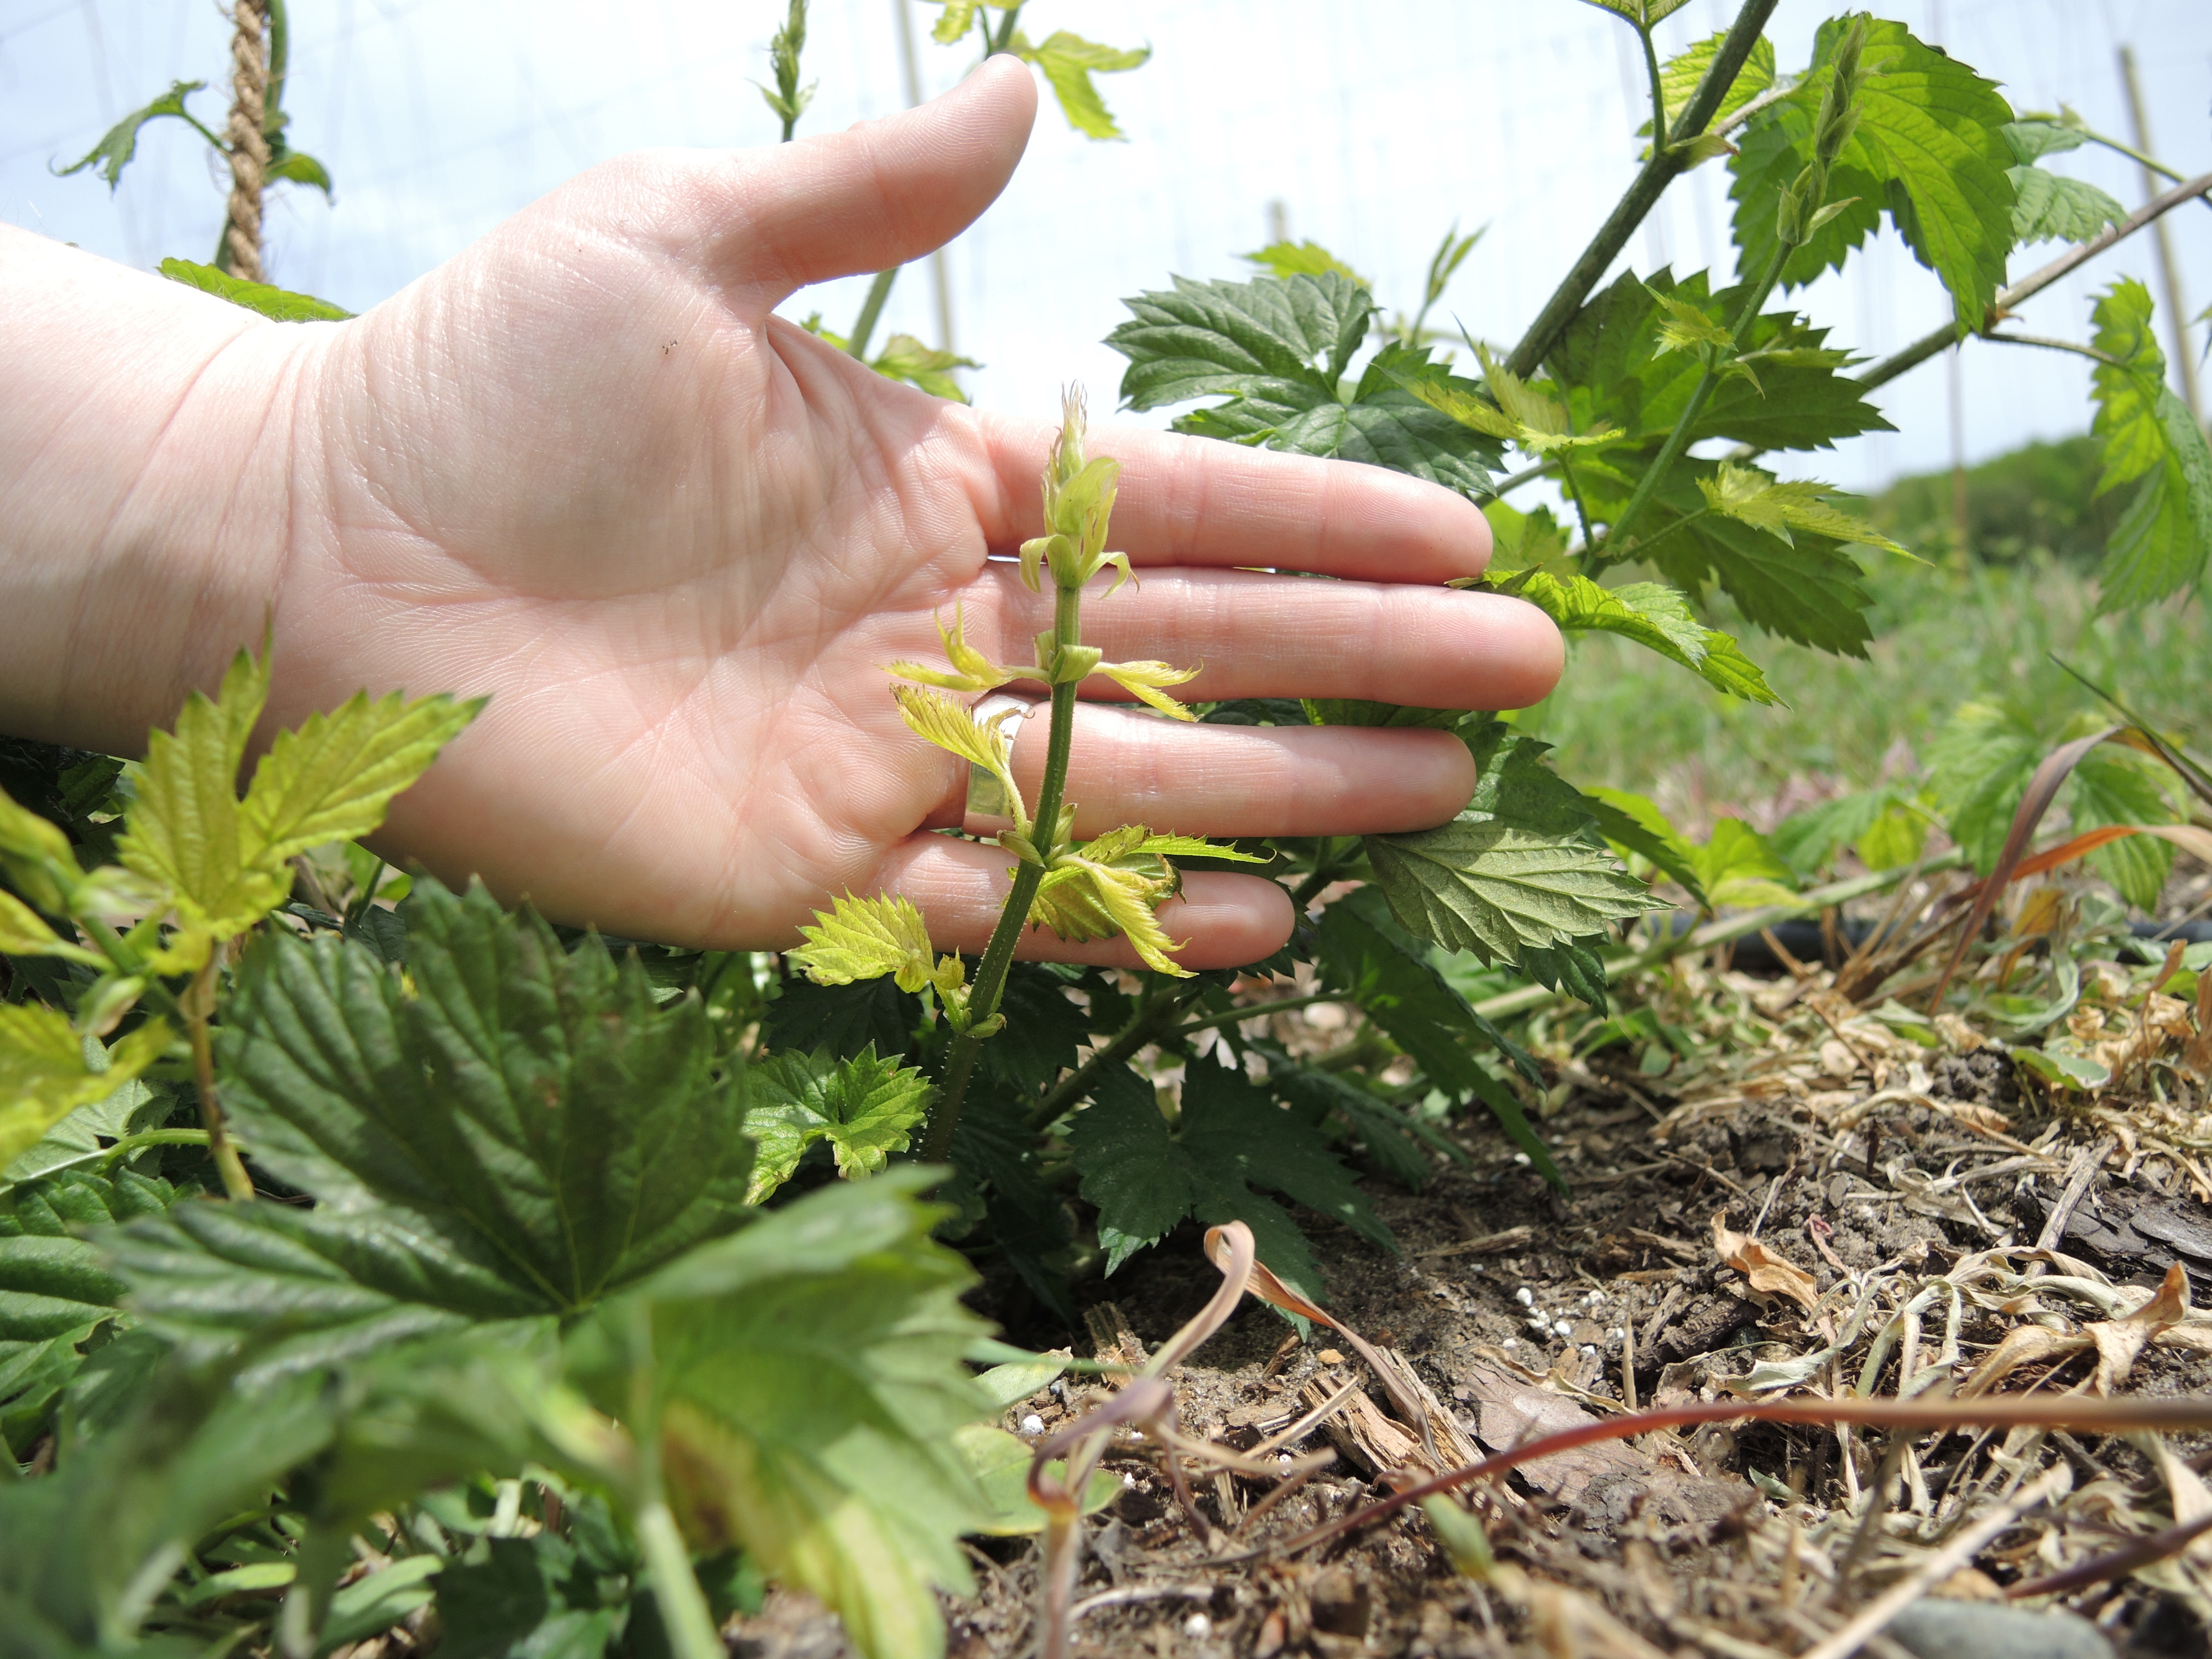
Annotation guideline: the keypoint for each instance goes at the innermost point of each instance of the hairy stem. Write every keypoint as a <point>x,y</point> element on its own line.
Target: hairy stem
<point>999,954</point>
<point>1929,344</point>
<point>1148,1024</point>
<point>864,326</point>
<point>1616,535</point>
<point>1642,195</point>
<point>1251,1010</point>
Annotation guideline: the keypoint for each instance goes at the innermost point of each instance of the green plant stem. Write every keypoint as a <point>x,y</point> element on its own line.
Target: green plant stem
<point>1508,1005</point>
<point>1658,89</point>
<point>1044,833</point>
<point>1660,170</point>
<point>119,954</point>
<point>1005,35</point>
<point>2048,343</point>
<point>1251,1010</point>
<point>684,1610</point>
<point>1148,1024</point>
<point>236,1185</point>
<point>864,326</point>
<point>280,55</point>
<point>1937,340</point>
<point>1616,535</point>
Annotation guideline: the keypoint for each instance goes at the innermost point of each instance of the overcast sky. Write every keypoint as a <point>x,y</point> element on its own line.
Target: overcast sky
<point>1375,126</point>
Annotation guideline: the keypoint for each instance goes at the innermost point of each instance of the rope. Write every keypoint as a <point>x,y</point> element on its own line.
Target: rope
<point>248,147</point>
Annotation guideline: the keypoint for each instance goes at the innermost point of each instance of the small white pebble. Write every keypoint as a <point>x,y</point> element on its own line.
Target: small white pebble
<point>1559,1327</point>
<point>1595,1297</point>
<point>1032,1423</point>
<point>1522,1159</point>
<point>1129,1480</point>
<point>1587,1348</point>
<point>1198,1627</point>
<point>1618,1334</point>
<point>1512,1341</point>
<point>1524,1296</point>
<point>1540,1326</point>
<point>1285,1459</point>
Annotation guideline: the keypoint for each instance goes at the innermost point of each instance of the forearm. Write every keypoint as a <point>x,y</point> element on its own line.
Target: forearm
<point>146,454</point>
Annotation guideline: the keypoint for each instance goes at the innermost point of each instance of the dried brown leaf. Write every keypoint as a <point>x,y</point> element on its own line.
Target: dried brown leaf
<point>2023,1345</point>
<point>2119,1341</point>
<point>1769,1274</point>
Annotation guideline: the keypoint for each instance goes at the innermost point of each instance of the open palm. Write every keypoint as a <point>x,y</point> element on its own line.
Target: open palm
<point>582,468</point>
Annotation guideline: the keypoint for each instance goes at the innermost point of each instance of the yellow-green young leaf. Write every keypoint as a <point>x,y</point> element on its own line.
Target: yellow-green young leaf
<point>867,939</point>
<point>2051,207</point>
<point>23,933</point>
<point>958,18</point>
<point>971,669</point>
<point>1084,898</point>
<point>1068,61</point>
<point>1752,497</point>
<point>932,716</point>
<point>36,856</point>
<point>905,358</point>
<point>1685,327</point>
<point>1469,410</point>
<point>1738,866</point>
<point>44,1077</point>
<point>1195,847</point>
<point>333,779</point>
<point>1143,681</point>
<point>185,830</point>
<point>1288,259</point>
<point>1642,13</point>
<point>277,304</point>
<point>1680,78</point>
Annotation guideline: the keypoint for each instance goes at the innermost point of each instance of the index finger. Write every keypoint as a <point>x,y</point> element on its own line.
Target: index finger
<point>1201,502</point>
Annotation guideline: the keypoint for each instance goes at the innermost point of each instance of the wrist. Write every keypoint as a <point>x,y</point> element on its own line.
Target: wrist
<point>146,462</point>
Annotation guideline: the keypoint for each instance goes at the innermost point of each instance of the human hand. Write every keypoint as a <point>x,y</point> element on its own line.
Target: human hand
<point>582,468</point>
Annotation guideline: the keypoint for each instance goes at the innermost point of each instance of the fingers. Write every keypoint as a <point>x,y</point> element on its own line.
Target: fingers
<point>1221,921</point>
<point>876,195</point>
<point>1226,781</point>
<point>1253,635</point>
<point>1200,502</point>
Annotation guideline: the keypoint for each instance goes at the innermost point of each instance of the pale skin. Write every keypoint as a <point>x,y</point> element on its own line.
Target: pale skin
<point>583,468</point>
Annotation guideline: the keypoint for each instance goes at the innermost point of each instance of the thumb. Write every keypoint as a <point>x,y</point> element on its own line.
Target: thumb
<point>877,194</point>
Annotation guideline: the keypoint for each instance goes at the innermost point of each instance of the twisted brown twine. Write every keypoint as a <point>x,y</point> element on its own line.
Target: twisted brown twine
<point>249,147</point>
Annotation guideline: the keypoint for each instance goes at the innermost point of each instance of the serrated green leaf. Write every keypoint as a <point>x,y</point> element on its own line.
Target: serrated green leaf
<point>186,829</point>
<point>279,305</point>
<point>2161,543</point>
<point>1068,61</point>
<point>866,1109</point>
<point>76,1140</point>
<point>809,1381</point>
<point>1145,1178</point>
<point>2033,137</point>
<point>1656,616</point>
<point>1680,77</point>
<point>527,1596</point>
<point>1634,824</point>
<point>1807,840</point>
<point>1682,326</point>
<point>1282,342</point>
<point>1642,13</point>
<point>120,143</point>
<point>524,1133</point>
<point>1366,956</point>
<point>36,856</point>
<point>1738,867</point>
<point>24,934</point>
<point>843,1018</point>
<point>1756,499</point>
<point>1287,259</point>
<point>2051,207</point>
<point>1930,146</point>
<point>44,1075</point>
<point>1481,884</point>
<point>333,778</point>
<point>905,358</point>
<point>1607,358</point>
<point>870,939</point>
<point>957,19</point>
<point>300,169</point>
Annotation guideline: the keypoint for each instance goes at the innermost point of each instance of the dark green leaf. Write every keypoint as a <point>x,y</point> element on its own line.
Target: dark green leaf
<point>114,151</point>
<point>302,169</point>
<point>1366,955</point>
<point>524,1134</point>
<point>1680,78</point>
<point>1131,1169</point>
<point>1633,824</point>
<point>1042,1030</point>
<point>809,1381</point>
<point>843,1018</point>
<point>280,304</point>
<point>527,1598</point>
<point>2160,545</point>
<point>1282,342</point>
